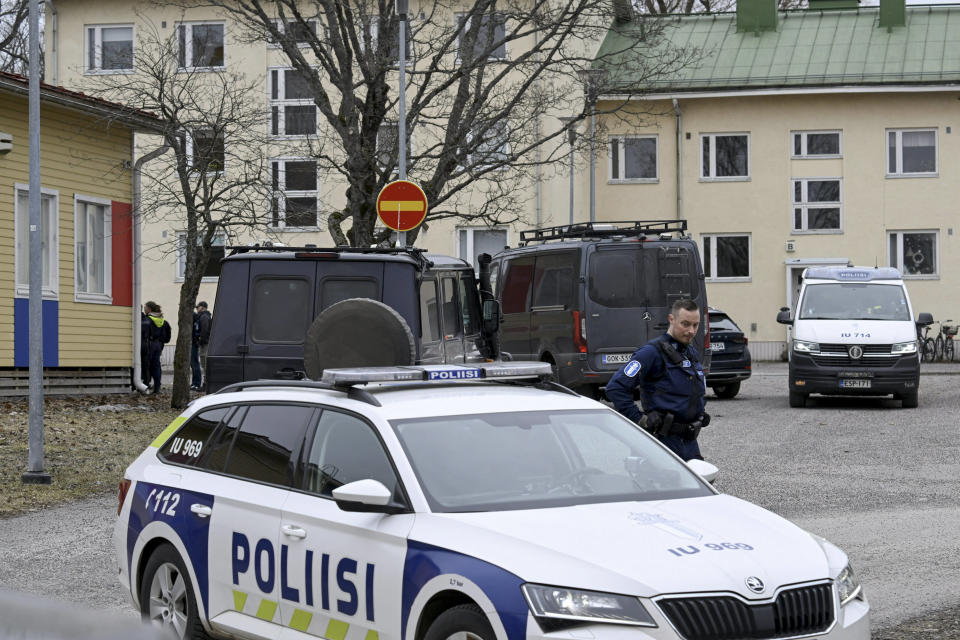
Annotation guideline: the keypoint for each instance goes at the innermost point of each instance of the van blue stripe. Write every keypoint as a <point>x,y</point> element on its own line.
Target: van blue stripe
<point>425,562</point>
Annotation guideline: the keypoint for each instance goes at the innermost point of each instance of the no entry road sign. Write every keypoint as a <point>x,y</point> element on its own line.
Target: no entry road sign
<point>402,205</point>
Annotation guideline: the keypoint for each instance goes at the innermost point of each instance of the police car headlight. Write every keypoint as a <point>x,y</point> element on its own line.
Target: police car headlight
<point>848,586</point>
<point>559,603</point>
<point>803,346</point>
<point>904,348</point>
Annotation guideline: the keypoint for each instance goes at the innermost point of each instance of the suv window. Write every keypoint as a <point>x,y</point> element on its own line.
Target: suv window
<point>448,308</point>
<point>553,281</point>
<point>469,305</point>
<point>190,442</point>
<point>642,277</point>
<point>722,322</point>
<point>286,299</point>
<point>429,318</point>
<point>268,439</point>
<point>334,290</point>
<point>345,449</point>
<point>516,285</point>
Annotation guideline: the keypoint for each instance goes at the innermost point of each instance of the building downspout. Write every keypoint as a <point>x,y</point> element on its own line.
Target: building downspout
<point>137,177</point>
<point>54,46</point>
<point>676,109</point>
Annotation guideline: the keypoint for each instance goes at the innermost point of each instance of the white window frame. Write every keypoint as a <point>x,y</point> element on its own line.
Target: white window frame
<point>804,204</point>
<point>503,149</point>
<point>711,238</point>
<point>280,102</point>
<point>803,155</point>
<point>281,194</point>
<point>282,28</point>
<point>897,260</point>
<point>219,238</point>
<point>899,133</point>
<point>470,230</point>
<point>713,177</point>
<point>188,43</point>
<point>84,296</point>
<point>466,26</point>
<point>190,158</point>
<point>621,148</point>
<point>52,239</point>
<point>98,69</point>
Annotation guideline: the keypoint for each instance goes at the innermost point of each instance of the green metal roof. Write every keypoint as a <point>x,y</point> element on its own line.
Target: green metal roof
<point>810,48</point>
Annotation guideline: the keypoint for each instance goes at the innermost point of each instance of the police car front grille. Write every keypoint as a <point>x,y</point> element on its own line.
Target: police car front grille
<point>795,612</point>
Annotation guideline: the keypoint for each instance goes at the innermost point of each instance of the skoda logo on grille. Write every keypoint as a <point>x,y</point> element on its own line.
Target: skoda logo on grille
<point>755,584</point>
<point>856,352</point>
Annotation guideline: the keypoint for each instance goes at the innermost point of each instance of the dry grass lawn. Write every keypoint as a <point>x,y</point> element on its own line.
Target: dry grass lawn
<point>88,442</point>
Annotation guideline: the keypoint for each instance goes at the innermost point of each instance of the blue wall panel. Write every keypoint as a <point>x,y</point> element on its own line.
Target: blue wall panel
<point>21,333</point>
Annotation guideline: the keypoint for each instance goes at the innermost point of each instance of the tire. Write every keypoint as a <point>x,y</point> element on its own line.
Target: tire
<point>948,349</point>
<point>727,391</point>
<point>938,348</point>
<point>910,400</point>
<point>928,350</point>
<point>166,596</point>
<point>798,400</point>
<point>462,622</point>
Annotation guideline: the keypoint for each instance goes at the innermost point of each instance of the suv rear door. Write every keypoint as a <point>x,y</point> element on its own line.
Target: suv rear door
<point>515,285</point>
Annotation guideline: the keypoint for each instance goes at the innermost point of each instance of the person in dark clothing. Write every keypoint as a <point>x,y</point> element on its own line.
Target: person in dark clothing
<point>201,338</point>
<point>672,384</point>
<point>156,332</point>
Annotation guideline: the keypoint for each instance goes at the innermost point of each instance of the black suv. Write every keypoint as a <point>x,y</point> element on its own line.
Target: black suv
<point>584,297</point>
<point>289,312</point>
<point>730,357</point>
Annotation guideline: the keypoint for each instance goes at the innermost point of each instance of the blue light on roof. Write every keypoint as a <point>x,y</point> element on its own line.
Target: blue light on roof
<point>852,274</point>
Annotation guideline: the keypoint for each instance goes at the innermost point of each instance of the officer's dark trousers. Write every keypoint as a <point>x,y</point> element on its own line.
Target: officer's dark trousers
<point>196,372</point>
<point>686,449</point>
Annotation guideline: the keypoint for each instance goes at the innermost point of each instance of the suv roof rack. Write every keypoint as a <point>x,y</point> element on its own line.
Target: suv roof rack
<point>416,253</point>
<point>587,230</point>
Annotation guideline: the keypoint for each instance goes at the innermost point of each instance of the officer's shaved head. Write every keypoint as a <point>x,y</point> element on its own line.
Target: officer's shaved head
<point>684,320</point>
<point>684,303</point>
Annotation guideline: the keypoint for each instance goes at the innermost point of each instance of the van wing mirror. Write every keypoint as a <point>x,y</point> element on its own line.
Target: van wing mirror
<point>924,319</point>
<point>784,316</point>
<point>491,316</point>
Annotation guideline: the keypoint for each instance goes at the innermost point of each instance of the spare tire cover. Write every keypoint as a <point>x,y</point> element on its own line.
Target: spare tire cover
<point>359,332</point>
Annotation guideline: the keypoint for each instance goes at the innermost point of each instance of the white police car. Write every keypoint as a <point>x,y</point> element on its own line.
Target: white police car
<point>366,509</point>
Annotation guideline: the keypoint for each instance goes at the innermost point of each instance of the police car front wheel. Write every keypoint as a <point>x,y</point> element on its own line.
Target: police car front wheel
<point>463,622</point>
<point>166,598</point>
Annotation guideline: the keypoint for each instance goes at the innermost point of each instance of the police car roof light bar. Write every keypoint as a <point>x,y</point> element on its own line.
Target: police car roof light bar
<point>438,373</point>
<point>585,230</point>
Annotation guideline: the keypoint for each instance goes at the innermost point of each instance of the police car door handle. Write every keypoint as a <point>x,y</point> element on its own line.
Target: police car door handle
<point>293,532</point>
<point>201,510</point>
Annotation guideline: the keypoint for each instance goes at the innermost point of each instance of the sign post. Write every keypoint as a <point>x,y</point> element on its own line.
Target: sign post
<point>402,206</point>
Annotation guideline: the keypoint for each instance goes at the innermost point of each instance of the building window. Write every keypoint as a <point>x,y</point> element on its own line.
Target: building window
<point>217,252</point>
<point>726,256</point>
<point>109,48</point>
<point>49,243</point>
<point>206,151</point>
<point>491,37</point>
<point>493,147</point>
<point>725,156</point>
<point>292,109</point>
<point>816,144</point>
<point>200,45</point>
<point>472,241</point>
<point>633,159</point>
<point>911,152</point>
<point>915,253</point>
<point>817,205</point>
<point>302,33</point>
<point>294,203</point>
<point>92,249</point>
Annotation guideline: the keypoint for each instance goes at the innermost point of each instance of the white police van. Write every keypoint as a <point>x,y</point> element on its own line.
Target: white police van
<point>428,502</point>
<point>854,334</point>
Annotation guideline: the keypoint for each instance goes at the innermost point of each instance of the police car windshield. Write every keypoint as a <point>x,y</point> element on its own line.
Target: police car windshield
<point>538,459</point>
<point>854,301</point>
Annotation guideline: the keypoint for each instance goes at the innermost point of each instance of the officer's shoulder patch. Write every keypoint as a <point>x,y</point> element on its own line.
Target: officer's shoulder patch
<point>685,364</point>
<point>632,368</point>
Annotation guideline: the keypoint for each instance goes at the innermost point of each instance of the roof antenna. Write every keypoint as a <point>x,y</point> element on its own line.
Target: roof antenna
<point>876,262</point>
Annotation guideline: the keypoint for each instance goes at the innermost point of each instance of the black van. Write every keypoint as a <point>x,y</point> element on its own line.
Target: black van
<point>288,312</point>
<point>584,297</point>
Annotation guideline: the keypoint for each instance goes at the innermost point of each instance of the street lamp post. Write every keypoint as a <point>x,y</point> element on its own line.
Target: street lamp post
<point>592,79</point>
<point>402,7</point>
<point>572,139</point>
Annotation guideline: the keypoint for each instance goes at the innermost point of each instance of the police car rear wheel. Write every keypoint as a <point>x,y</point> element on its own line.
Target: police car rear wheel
<point>166,599</point>
<point>463,622</point>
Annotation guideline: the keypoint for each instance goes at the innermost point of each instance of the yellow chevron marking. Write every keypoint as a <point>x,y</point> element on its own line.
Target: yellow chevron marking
<point>266,610</point>
<point>239,599</point>
<point>336,630</point>
<point>301,619</point>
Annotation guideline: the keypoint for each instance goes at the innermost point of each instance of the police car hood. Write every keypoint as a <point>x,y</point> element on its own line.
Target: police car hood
<point>643,548</point>
<point>855,331</point>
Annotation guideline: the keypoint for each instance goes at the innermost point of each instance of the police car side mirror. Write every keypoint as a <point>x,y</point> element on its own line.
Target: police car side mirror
<point>703,469</point>
<point>784,316</point>
<point>366,496</point>
<point>491,316</point>
<point>924,319</point>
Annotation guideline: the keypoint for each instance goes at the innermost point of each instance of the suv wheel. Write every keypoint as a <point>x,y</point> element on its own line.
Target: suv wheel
<point>910,400</point>
<point>727,391</point>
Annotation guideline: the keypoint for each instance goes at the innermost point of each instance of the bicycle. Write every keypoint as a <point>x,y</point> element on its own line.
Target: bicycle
<point>945,339</point>
<point>927,344</point>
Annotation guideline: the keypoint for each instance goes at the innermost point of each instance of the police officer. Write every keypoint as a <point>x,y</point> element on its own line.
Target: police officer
<point>672,384</point>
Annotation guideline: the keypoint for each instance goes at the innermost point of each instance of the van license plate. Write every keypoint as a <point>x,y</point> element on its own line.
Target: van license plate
<point>616,358</point>
<point>855,384</point>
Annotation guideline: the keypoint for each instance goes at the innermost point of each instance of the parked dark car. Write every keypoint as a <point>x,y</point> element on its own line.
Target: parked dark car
<point>730,362</point>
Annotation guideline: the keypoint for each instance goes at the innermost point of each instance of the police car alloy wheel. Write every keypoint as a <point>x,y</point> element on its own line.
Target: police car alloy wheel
<point>166,598</point>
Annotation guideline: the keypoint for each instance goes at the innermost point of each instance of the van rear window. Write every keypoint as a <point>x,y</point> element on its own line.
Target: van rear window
<point>643,276</point>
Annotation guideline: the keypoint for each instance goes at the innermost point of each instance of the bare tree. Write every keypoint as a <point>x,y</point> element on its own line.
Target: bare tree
<point>212,184</point>
<point>483,77</point>
<point>13,36</point>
